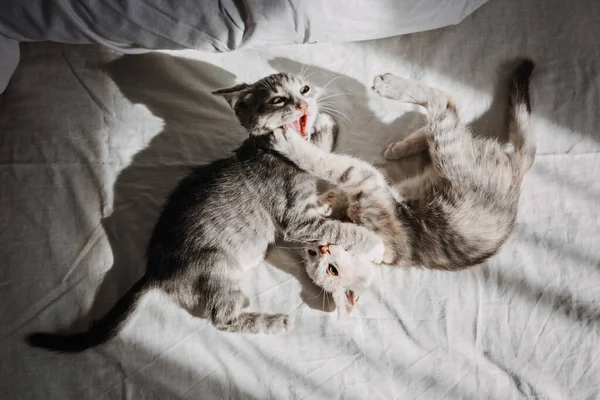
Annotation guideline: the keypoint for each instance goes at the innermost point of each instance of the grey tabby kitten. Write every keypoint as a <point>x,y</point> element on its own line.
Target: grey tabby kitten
<point>204,239</point>
<point>456,214</point>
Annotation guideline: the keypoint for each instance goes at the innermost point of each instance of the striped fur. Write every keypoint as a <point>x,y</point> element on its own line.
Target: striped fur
<point>460,210</point>
<point>222,217</point>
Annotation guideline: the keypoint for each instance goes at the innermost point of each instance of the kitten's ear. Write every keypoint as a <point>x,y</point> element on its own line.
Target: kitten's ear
<point>352,297</point>
<point>232,94</point>
<point>344,302</point>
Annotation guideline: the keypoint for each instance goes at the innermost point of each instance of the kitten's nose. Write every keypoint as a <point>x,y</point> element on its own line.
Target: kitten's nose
<point>324,249</point>
<point>302,105</point>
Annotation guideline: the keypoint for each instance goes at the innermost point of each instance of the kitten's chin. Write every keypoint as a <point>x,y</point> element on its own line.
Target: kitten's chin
<point>256,132</point>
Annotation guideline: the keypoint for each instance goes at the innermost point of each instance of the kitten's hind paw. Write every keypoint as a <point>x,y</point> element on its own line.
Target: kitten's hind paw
<point>389,152</point>
<point>389,85</point>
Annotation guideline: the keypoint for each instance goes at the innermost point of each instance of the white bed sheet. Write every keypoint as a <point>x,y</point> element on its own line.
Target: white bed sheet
<point>88,152</point>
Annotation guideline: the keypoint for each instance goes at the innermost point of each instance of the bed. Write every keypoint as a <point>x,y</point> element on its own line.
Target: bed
<point>91,142</point>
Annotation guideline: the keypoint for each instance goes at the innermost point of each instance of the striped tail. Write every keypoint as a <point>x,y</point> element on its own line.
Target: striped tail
<point>519,111</point>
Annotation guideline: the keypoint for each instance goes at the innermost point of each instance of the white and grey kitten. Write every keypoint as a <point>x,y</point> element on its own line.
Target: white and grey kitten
<point>454,215</point>
<point>203,239</point>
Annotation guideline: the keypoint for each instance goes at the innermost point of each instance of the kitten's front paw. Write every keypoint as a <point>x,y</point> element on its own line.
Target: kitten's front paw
<point>324,208</point>
<point>327,203</point>
<point>279,323</point>
<point>389,85</point>
<point>279,135</point>
<point>280,141</point>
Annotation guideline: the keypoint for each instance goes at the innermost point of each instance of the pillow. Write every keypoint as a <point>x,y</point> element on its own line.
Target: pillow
<point>217,26</point>
<point>9,58</point>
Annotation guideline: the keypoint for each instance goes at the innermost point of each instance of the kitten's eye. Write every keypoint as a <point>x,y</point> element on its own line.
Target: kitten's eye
<point>305,89</point>
<point>312,252</point>
<point>331,270</point>
<point>277,100</point>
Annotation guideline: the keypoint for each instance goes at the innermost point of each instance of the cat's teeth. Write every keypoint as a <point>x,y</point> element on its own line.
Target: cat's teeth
<point>300,126</point>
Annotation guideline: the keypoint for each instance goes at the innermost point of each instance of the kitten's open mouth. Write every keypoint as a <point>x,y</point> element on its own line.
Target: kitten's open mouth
<point>300,125</point>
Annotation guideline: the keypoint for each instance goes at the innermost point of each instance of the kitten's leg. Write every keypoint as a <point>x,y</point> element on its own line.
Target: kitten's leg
<point>397,88</point>
<point>341,170</point>
<point>371,212</point>
<point>441,112</point>
<point>377,216</point>
<point>416,186</point>
<point>351,237</point>
<point>448,141</point>
<point>224,301</point>
<point>415,143</point>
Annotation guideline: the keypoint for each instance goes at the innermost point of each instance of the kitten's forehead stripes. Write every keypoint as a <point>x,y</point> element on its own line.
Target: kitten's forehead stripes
<point>276,81</point>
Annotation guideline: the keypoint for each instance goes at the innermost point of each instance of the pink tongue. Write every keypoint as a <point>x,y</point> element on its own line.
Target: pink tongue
<point>303,120</point>
<point>297,127</point>
<point>300,126</point>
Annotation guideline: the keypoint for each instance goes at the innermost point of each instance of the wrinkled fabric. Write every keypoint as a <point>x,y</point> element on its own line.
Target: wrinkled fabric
<point>134,26</point>
<point>92,141</point>
<point>222,25</point>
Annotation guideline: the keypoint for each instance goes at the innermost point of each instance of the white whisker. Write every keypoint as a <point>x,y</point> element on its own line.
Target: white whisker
<point>305,72</point>
<point>336,112</point>
<point>334,95</point>
<point>331,81</point>
<point>313,73</point>
<point>328,103</point>
<point>301,73</point>
<point>318,294</point>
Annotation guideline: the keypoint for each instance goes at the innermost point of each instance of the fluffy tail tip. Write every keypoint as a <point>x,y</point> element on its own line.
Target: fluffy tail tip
<point>520,82</point>
<point>51,342</point>
<point>524,70</point>
<point>42,340</point>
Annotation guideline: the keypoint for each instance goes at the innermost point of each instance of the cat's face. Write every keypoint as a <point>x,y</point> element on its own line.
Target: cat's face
<point>338,272</point>
<point>272,102</point>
